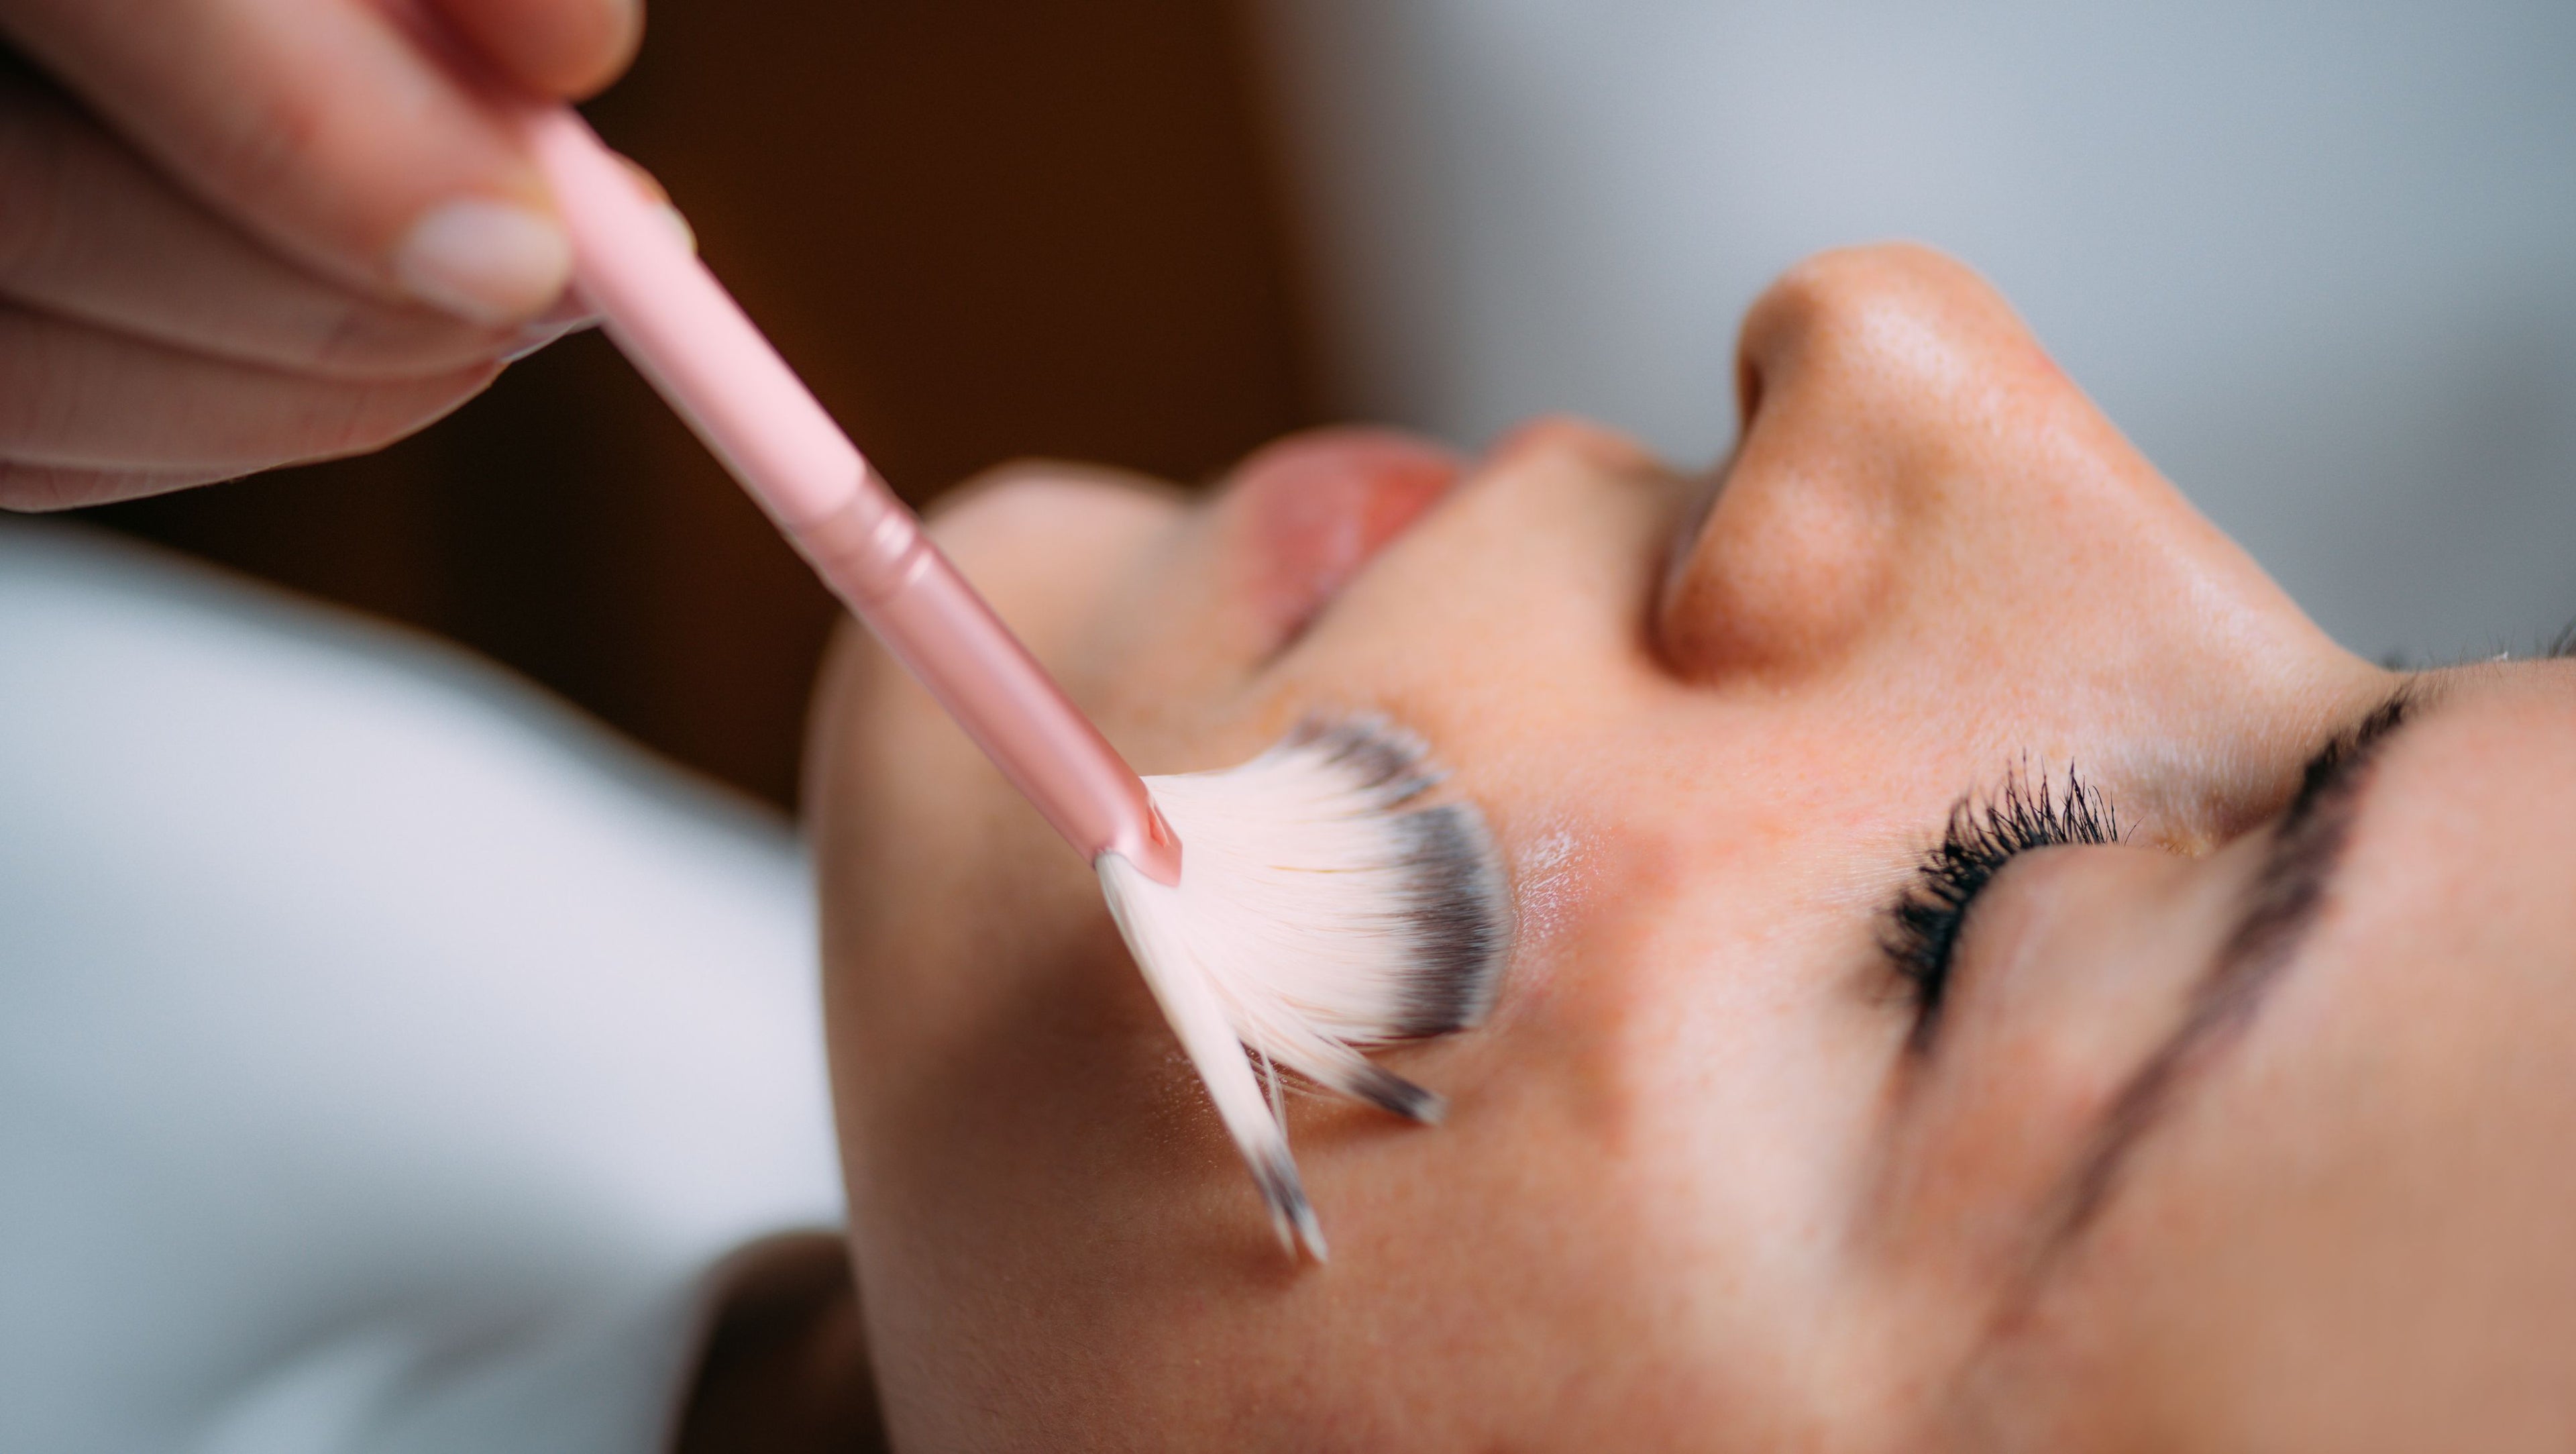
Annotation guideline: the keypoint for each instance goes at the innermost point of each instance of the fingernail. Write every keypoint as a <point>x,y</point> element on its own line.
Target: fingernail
<point>487,262</point>
<point>538,336</point>
<point>570,310</point>
<point>572,313</point>
<point>679,224</point>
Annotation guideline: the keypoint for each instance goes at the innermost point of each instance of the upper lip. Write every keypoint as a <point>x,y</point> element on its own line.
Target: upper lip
<point>1318,506</point>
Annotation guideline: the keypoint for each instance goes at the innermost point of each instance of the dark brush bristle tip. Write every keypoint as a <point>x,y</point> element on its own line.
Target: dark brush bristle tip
<point>1395,1095</point>
<point>1383,760</point>
<point>1458,920</point>
<point>1291,1215</point>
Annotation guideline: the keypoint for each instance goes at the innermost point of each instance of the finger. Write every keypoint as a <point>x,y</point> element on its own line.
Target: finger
<point>327,129</point>
<point>41,487</point>
<point>89,232</point>
<point>79,396</point>
<point>552,47</point>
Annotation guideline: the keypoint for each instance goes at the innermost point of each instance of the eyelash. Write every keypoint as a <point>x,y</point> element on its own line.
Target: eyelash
<point>1984,834</point>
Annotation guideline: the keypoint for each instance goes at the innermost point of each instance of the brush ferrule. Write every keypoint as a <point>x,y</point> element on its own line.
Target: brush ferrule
<point>1155,849</point>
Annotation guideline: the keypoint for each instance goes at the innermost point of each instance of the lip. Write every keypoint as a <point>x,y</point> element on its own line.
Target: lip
<point>1318,506</point>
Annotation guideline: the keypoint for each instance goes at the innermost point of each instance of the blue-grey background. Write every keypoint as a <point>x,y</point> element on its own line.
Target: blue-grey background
<point>2318,260</point>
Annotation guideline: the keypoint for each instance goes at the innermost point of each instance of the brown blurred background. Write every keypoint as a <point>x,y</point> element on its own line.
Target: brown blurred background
<point>981,231</point>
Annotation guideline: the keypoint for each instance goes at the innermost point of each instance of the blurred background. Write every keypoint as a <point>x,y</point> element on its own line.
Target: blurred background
<point>2319,260</point>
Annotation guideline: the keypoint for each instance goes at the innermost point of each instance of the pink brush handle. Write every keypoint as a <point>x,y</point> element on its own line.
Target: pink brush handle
<point>688,336</point>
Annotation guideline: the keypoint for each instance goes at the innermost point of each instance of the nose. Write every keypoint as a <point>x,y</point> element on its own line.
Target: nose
<point>1916,475</point>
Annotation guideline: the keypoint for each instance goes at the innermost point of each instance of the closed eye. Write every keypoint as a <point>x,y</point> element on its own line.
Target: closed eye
<point>1921,933</point>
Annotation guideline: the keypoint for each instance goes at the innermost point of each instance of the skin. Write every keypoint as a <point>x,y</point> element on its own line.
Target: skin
<point>203,211</point>
<point>1703,1184</point>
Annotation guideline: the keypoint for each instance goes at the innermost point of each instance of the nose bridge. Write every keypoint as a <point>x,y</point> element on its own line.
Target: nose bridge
<point>1902,433</point>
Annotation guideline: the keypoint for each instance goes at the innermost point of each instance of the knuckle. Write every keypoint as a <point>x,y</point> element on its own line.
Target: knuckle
<point>35,179</point>
<point>339,343</point>
<point>261,156</point>
<point>36,402</point>
<point>359,418</point>
<point>39,489</point>
<point>357,338</point>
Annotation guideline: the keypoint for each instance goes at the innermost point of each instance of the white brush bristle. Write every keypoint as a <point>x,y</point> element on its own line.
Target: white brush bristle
<point>1321,910</point>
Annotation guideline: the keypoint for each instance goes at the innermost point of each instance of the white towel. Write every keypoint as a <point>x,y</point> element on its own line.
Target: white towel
<point>385,1051</point>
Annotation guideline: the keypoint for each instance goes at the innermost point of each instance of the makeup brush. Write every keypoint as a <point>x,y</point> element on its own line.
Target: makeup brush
<point>1295,909</point>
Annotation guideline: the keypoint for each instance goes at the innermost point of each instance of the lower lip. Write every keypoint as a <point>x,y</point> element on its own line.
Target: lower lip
<point>1319,505</point>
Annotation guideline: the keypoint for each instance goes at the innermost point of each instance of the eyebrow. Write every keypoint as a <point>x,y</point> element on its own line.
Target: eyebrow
<point>2288,895</point>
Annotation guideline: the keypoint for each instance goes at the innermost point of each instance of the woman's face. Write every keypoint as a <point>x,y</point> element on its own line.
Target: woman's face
<point>2252,1129</point>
